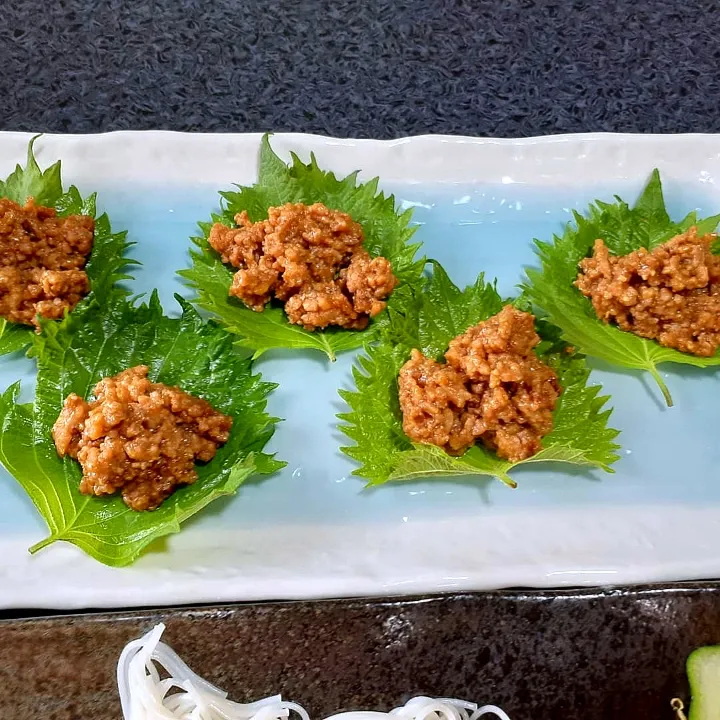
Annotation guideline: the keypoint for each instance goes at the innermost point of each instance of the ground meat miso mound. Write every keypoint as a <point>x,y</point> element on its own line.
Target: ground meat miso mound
<point>670,294</point>
<point>138,437</point>
<point>42,261</point>
<point>493,388</point>
<point>309,257</point>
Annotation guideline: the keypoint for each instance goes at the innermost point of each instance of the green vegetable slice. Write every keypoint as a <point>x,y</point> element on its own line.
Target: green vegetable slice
<point>623,229</point>
<point>428,321</point>
<point>387,233</point>
<point>95,342</point>
<point>703,670</point>
<point>107,262</point>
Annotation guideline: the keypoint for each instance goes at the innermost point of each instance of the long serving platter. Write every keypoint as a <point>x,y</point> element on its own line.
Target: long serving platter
<point>313,530</point>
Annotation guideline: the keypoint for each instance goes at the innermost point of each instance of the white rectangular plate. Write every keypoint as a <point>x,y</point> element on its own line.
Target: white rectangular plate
<point>312,530</point>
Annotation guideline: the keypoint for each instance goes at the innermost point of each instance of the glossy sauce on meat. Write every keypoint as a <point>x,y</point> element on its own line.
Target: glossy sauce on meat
<point>309,257</point>
<point>492,388</point>
<point>670,294</point>
<point>138,437</point>
<point>42,261</point>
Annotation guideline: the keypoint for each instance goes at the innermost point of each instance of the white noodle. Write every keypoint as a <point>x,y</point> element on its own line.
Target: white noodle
<point>186,696</point>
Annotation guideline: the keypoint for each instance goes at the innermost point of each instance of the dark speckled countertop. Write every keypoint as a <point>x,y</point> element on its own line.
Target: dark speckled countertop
<point>589,655</point>
<point>366,68</point>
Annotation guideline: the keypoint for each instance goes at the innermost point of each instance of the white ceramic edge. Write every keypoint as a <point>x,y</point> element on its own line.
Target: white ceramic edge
<point>544,547</point>
<point>605,546</point>
<point>224,159</point>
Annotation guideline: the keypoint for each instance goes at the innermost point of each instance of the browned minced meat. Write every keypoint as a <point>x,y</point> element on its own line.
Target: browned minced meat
<point>493,388</point>
<point>309,257</point>
<point>670,294</point>
<point>42,261</point>
<point>138,437</point>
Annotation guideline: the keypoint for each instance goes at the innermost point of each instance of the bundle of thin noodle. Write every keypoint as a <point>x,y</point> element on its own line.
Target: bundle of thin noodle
<point>183,695</point>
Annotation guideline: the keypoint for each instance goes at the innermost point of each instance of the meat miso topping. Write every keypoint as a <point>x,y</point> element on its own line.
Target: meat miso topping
<point>492,388</point>
<point>42,261</point>
<point>309,257</point>
<point>138,437</point>
<point>670,294</point>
